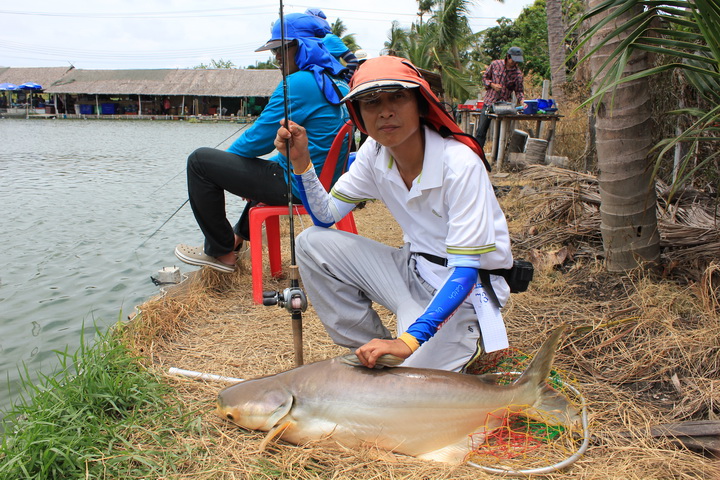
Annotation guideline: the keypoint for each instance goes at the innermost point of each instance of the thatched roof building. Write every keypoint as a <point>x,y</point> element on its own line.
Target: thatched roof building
<point>42,76</point>
<point>211,83</point>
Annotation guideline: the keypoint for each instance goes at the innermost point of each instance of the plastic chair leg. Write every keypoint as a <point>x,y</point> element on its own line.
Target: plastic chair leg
<point>272,232</point>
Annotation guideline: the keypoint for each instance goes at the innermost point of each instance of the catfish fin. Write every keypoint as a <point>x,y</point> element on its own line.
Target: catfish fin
<point>276,431</point>
<point>454,453</point>
<point>386,360</point>
<point>539,369</point>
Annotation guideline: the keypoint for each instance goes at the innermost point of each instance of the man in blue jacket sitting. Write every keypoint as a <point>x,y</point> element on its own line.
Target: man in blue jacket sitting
<point>315,89</point>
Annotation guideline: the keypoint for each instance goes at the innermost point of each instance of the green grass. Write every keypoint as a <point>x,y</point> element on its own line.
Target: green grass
<point>103,415</point>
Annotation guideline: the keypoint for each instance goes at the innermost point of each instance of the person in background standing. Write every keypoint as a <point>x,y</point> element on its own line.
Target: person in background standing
<point>335,44</point>
<point>501,79</point>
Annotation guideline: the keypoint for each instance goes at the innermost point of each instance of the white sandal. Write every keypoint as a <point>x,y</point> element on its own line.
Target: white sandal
<point>196,256</point>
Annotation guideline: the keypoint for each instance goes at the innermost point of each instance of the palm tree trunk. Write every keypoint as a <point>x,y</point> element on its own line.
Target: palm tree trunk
<point>556,47</point>
<point>627,189</point>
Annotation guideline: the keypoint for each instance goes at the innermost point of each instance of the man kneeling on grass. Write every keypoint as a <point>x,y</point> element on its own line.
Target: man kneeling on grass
<point>433,179</point>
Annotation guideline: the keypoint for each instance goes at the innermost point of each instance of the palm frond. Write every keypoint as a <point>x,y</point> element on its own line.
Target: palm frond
<point>686,35</point>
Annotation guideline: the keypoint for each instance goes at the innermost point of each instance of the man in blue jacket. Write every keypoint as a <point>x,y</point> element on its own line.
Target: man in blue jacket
<point>315,89</point>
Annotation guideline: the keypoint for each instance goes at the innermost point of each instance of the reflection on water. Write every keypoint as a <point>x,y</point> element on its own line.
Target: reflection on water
<point>79,200</point>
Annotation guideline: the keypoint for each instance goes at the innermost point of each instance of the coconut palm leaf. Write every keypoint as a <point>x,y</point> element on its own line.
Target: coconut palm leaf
<point>397,41</point>
<point>687,34</point>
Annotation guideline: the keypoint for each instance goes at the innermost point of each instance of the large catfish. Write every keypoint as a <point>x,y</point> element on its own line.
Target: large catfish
<point>420,412</point>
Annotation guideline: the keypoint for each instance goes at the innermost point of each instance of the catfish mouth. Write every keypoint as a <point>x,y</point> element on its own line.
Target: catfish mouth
<point>227,414</point>
<point>223,411</point>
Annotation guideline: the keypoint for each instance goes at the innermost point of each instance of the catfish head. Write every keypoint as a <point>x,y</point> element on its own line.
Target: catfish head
<point>258,404</point>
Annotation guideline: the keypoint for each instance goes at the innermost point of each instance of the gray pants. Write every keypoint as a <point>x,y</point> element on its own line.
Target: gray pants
<point>344,274</point>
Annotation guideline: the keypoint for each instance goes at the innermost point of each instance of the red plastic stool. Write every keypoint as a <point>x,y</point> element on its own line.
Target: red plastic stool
<point>270,216</point>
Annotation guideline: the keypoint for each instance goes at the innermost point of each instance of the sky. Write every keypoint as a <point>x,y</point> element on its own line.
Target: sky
<point>144,34</point>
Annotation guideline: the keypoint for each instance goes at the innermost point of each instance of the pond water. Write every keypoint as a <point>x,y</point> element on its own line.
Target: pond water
<point>81,201</point>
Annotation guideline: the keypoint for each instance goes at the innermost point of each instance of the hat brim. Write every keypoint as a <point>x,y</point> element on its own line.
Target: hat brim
<point>274,44</point>
<point>517,58</point>
<point>376,85</point>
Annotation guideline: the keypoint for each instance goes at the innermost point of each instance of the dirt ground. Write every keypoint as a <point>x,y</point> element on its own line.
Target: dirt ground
<point>643,350</point>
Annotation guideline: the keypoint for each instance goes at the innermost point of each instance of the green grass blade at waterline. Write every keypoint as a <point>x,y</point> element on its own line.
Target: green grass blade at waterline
<point>103,415</point>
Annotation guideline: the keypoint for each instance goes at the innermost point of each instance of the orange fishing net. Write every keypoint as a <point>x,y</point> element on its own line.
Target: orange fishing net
<point>512,441</point>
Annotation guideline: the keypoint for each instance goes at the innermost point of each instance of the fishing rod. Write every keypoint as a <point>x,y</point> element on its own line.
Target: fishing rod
<point>293,298</point>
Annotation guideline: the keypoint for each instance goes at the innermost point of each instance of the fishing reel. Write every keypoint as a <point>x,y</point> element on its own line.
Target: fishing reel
<point>292,299</point>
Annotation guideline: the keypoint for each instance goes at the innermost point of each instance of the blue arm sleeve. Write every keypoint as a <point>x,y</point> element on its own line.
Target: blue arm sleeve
<point>448,298</point>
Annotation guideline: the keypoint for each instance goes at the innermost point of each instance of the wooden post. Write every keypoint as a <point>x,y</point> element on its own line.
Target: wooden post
<point>551,135</point>
<point>502,137</point>
<point>545,95</point>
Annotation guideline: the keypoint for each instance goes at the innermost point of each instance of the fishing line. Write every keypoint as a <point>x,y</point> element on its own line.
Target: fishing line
<point>186,200</point>
<point>163,224</point>
<point>183,170</point>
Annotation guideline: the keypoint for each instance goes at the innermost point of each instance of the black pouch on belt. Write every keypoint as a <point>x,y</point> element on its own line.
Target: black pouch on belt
<point>518,277</point>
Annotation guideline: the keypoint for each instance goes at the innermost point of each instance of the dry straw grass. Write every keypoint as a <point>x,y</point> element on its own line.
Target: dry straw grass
<point>644,351</point>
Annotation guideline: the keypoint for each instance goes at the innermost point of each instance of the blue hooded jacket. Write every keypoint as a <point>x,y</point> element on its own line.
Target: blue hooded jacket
<point>314,95</point>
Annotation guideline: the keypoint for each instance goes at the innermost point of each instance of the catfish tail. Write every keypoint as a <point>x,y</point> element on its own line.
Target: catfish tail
<point>551,406</point>
<point>539,369</point>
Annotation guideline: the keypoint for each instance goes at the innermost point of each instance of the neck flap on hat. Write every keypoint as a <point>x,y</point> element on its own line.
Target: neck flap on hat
<point>314,57</point>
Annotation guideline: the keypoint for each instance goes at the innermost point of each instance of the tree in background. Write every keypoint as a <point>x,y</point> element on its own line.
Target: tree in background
<point>338,28</point>
<point>682,37</point>
<point>624,129</point>
<point>425,7</point>
<point>266,65</point>
<point>685,37</point>
<point>530,31</point>
<point>495,41</point>
<point>397,40</point>
<point>215,64</point>
<point>531,26</point>
<point>556,48</point>
<point>441,44</point>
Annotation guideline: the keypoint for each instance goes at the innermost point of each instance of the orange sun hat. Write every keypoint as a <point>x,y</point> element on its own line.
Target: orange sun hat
<point>387,73</point>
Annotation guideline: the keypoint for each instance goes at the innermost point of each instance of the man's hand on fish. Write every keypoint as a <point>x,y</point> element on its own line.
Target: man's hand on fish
<point>369,353</point>
<point>298,140</point>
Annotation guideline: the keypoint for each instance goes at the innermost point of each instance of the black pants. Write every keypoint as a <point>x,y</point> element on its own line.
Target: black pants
<point>211,172</point>
<point>482,126</point>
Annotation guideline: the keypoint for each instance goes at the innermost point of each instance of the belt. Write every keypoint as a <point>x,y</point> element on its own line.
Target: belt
<point>434,258</point>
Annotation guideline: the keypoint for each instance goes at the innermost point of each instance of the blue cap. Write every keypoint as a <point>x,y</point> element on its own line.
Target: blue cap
<point>320,15</point>
<point>297,25</point>
<point>316,12</point>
